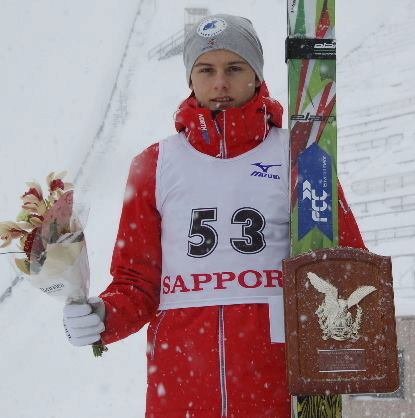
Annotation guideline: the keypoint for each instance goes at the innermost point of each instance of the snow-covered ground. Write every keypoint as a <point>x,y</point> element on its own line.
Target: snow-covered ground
<point>79,93</point>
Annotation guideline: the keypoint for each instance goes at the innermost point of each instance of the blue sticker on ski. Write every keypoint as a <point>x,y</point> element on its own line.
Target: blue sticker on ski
<point>315,192</point>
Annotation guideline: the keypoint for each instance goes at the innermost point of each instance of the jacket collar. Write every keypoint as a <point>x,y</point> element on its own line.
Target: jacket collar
<point>231,132</point>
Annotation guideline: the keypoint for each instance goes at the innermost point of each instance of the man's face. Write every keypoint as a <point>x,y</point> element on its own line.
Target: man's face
<point>221,79</point>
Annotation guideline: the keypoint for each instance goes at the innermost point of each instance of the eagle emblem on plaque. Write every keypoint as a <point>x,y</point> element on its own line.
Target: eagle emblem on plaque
<point>334,315</point>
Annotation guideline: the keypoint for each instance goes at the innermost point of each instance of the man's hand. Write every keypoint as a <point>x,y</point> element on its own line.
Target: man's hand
<point>83,323</point>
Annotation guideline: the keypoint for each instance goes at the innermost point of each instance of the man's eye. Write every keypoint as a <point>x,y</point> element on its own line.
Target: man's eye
<point>205,70</point>
<point>235,68</point>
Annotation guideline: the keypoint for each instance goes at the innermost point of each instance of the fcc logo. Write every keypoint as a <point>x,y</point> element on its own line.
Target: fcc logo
<point>211,27</point>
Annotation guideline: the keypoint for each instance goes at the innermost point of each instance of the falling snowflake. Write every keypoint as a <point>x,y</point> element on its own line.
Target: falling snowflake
<point>161,390</point>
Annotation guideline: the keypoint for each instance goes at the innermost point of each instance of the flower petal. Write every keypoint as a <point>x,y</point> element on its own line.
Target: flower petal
<point>56,185</point>
<point>8,225</point>
<point>35,220</point>
<point>23,265</point>
<point>61,175</point>
<point>68,186</point>
<point>50,178</point>
<point>7,241</point>
<point>30,198</point>
<point>34,189</point>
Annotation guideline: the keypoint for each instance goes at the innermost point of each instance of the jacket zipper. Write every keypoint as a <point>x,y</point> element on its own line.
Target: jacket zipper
<point>223,150</point>
<point>222,363</point>
<point>224,147</point>
<point>160,316</point>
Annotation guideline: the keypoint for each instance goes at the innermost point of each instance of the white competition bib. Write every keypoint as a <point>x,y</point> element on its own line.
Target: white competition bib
<point>225,223</point>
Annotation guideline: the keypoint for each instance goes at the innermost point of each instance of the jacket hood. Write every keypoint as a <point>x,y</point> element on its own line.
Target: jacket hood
<point>231,132</point>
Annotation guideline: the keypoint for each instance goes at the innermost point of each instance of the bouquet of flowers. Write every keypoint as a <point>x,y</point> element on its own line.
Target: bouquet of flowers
<point>52,239</point>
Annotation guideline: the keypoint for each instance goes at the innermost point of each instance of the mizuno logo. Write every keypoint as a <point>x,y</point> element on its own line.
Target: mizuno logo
<point>266,167</point>
<point>264,171</point>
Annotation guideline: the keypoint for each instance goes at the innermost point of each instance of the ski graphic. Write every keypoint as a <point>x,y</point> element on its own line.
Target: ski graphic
<point>310,54</point>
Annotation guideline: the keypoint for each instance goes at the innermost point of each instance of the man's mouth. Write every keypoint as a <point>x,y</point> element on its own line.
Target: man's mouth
<point>222,101</point>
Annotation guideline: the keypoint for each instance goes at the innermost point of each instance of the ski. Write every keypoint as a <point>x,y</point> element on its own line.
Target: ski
<point>311,59</point>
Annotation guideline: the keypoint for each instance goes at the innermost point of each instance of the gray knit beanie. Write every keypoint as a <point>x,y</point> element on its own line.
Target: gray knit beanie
<point>223,31</point>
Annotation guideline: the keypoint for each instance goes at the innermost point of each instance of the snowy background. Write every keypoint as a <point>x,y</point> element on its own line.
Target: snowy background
<point>79,93</point>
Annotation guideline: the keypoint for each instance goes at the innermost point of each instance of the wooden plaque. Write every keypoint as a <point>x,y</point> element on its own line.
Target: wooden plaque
<point>340,323</point>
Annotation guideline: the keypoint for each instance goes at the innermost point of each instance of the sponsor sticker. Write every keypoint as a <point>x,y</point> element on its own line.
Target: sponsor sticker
<point>315,192</point>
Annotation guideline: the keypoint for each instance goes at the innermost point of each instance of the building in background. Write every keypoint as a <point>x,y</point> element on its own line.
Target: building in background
<point>377,168</point>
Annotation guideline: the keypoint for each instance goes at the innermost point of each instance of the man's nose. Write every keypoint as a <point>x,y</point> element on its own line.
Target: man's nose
<point>221,81</point>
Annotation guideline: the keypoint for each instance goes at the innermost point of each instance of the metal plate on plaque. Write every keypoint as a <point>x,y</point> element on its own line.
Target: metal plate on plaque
<point>340,323</point>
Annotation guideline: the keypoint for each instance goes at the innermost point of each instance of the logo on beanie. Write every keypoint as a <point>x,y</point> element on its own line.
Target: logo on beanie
<point>211,27</point>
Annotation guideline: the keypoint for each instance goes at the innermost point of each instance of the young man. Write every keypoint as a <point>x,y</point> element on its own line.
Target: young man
<point>203,230</point>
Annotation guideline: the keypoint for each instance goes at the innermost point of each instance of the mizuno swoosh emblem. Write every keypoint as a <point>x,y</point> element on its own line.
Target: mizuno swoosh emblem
<point>265,167</point>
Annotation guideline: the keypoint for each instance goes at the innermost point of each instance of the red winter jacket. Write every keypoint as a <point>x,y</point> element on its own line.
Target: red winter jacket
<point>205,362</point>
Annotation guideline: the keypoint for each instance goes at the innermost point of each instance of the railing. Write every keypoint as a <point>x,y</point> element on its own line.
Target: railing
<point>171,46</point>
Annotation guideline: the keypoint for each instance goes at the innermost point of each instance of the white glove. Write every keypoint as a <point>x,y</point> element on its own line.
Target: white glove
<point>83,323</point>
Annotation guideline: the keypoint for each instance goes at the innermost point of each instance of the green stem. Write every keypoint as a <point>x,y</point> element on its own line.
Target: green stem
<point>98,349</point>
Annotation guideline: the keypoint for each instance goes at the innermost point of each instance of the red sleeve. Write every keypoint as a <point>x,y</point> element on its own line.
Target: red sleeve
<point>349,234</point>
<point>133,296</point>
